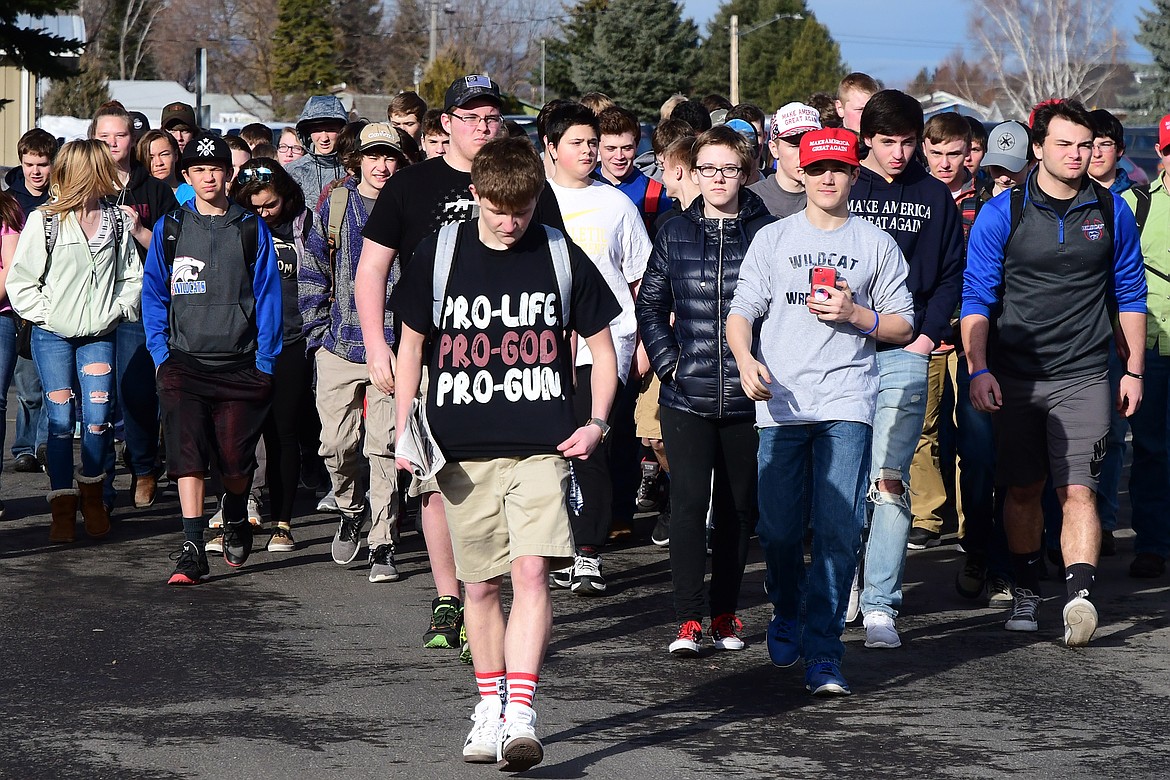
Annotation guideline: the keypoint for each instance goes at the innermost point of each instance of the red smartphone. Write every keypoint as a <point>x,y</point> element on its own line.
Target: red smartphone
<point>822,277</point>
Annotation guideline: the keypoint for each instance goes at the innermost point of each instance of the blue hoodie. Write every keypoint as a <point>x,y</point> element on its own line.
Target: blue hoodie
<point>919,213</point>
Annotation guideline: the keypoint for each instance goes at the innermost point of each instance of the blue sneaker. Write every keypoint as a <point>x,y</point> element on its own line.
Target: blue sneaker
<point>824,679</point>
<point>783,648</point>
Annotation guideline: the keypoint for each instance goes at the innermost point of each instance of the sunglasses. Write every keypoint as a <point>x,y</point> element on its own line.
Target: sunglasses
<point>259,173</point>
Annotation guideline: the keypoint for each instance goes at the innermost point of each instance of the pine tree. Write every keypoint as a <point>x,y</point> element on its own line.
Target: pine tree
<point>305,51</point>
<point>36,50</point>
<point>576,36</point>
<point>779,57</point>
<point>362,60</point>
<point>80,95</point>
<point>643,52</point>
<point>811,64</point>
<point>1154,35</point>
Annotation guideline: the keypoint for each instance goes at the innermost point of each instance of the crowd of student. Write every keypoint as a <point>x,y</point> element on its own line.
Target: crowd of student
<point>781,326</point>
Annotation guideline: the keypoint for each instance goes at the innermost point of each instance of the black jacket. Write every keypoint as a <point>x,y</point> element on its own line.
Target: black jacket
<point>692,274</point>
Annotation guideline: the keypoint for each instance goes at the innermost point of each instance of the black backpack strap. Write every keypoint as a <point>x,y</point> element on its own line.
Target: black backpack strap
<point>250,238</point>
<point>1016,211</point>
<point>172,226</point>
<point>1141,195</point>
<point>1105,203</point>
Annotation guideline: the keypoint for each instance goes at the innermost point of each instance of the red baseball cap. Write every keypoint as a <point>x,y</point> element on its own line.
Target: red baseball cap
<point>830,143</point>
<point>1163,133</point>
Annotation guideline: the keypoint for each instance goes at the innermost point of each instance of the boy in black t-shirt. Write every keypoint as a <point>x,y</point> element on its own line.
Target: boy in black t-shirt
<point>499,405</point>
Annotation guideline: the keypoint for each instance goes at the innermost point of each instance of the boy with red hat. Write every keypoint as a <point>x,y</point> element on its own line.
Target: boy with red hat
<point>822,287</point>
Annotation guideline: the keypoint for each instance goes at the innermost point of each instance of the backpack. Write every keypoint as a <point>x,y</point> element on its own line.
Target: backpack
<point>173,228</point>
<point>338,203</point>
<point>1141,194</point>
<point>445,258</point>
<point>650,201</point>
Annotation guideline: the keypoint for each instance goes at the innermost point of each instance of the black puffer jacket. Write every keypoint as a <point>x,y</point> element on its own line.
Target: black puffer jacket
<point>692,274</point>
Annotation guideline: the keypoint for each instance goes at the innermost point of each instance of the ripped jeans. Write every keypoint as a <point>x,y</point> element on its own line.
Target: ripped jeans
<point>66,366</point>
<point>897,426</point>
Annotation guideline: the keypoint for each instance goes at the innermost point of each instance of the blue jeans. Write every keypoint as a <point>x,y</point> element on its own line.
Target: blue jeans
<point>32,424</point>
<point>897,426</point>
<point>7,363</point>
<point>137,397</point>
<point>1150,475</point>
<point>62,364</point>
<point>838,453</point>
<point>983,531</point>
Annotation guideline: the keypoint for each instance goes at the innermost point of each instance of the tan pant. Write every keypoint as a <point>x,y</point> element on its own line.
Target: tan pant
<point>931,503</point>
<point>342,387</point>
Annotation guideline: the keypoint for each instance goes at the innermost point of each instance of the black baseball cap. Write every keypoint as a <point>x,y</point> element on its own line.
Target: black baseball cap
<point>206,148</point>
<point>465,89</point>
<point>140,122</point>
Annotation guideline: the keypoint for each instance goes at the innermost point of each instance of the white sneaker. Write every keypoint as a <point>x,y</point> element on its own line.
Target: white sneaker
<point>854,608</point>
<point>1080,621</point>
<point>254,517</point>
<point>561,578</point>
<point>880,631</point>
<point>518,747</point>
<point>481,743</point>
<point>328,503</point>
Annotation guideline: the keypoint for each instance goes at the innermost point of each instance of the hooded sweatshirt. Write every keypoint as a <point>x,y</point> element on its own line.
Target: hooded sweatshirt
<point>215,309</point>
<point>313,171</point>
<point>918,212</point>
<point>150,197</point>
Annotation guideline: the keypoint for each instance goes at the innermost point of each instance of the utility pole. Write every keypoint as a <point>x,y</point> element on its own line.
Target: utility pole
<point>434,32</point>
<point>735,59</point>
<point>543,99</point>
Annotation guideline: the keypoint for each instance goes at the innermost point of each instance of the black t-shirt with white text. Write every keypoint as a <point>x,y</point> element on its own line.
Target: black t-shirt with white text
<point>420,199</point>
<point>500,366</point>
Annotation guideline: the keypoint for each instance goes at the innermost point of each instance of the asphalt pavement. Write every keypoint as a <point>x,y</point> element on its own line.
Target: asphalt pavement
<point>294,667</point>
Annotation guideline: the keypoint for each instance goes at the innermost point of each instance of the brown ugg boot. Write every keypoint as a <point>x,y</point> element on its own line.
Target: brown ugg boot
<point>63,506</point>
<point>145,488</point>
<point>93,505</point>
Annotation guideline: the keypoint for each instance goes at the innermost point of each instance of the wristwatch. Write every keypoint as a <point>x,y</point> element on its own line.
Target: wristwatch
<point>600,423</point>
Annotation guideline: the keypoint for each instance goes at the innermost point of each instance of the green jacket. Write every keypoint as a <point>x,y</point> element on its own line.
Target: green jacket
<point>74,293</point>
<point>1155,243</point>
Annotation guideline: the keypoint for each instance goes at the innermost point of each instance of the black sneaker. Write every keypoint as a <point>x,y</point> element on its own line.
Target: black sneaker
<point>446,619</point>
<point>192,566</point>
<point>921,538</point>
<point>661,533</point>
<point>382,568</point>
<point>970,580</point>
<point>27,463</point>
<point>648,489</point>
<point>237,543</point>
<point>348,539</point>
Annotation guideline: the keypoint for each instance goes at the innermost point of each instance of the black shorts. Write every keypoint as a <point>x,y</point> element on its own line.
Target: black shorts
<point>212,413</point>
<point>1056,427</point>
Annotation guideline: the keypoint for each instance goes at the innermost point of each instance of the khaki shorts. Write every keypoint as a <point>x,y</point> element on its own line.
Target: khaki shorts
<point>420,487</point>
<point>501,508</point>
<point>646,422</point>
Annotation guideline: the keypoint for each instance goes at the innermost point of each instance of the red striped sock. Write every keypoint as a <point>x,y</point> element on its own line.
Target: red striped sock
<point>521,688</point>
<point>491,684</point>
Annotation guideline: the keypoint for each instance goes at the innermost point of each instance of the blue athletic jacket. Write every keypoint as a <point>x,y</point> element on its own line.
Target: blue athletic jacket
<point>1050,294</point>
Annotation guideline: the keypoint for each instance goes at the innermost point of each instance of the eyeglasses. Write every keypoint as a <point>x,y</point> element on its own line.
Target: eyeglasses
<point>260,174</point>
<point>1105,146</point>
<point>728,171</point>
<point>491,120</point>
<point>290,149</point>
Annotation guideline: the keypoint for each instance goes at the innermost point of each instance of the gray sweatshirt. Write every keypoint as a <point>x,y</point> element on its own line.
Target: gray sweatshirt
<point>821,371</point>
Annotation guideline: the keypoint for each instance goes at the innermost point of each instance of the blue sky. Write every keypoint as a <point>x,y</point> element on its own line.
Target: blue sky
<point>893,40</point>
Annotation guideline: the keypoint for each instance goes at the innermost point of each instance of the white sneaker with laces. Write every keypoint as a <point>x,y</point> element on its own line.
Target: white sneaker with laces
<point>1080,621</point>
<point>587,579</point>
<point>518,746</point>
<point>481,744</point>
<point>880,631</point>
<point>328,503</point>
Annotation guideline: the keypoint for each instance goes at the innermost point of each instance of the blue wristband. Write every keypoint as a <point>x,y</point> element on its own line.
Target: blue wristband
<point>980,372</point>
<point>876,320</point>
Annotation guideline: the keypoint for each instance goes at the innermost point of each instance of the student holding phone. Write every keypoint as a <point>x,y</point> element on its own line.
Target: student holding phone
<point>806,354</point>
